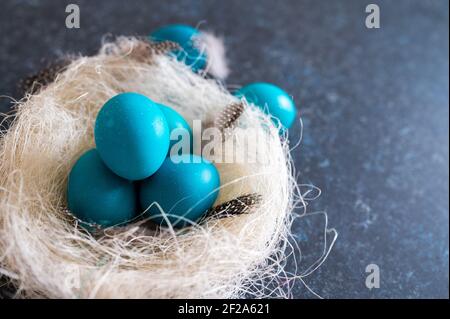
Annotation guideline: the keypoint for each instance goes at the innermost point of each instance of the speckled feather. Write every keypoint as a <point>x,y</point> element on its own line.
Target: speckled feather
<point>237,206</point>
<point>229,115</point>
<point>47,75</point>
<point>145,49</point>
<point>35,82</point>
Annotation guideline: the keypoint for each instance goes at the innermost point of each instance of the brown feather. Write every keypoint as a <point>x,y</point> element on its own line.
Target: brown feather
<point>229,115</point>
<point>47,75</point>
<point>145,49</point>
<point>240,205</point>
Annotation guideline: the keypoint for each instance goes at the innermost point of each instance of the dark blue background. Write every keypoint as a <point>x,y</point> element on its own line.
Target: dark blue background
<point>375,106</point>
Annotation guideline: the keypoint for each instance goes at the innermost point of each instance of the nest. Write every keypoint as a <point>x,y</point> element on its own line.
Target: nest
<point>236,251</point>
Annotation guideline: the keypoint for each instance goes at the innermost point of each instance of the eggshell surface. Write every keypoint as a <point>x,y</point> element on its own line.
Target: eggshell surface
<point>96,195</point>
<point>132,135</point>
<point>183,188</point>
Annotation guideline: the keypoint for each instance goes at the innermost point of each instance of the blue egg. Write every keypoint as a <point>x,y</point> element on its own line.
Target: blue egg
<point>270,98</point>
<point>185,186</point>
<point>132,135</point>
<point>175,122</point>
<point>184,35</point>
<point>96,195</point>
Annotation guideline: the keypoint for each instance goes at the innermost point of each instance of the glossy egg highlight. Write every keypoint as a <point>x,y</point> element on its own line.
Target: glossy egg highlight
<point>96,195</point>
<point>271,99</point>
<point>132,135</point>
<point>184,187</point>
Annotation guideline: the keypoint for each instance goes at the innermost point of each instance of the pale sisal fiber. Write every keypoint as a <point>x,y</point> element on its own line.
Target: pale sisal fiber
<point>45,254</point>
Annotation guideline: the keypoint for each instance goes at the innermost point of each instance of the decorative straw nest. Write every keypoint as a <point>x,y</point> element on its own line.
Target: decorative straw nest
<point>237,251</point>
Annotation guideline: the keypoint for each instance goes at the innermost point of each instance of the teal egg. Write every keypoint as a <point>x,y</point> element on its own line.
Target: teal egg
<point>270,98</point>
<point>176,121</point>
<point>184,35</point>
<point>96,195</point>
<point>132,135</point>
<point>185,187</point>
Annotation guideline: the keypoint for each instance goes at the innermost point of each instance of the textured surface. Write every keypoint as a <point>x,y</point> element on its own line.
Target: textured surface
<point>374,105</point>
